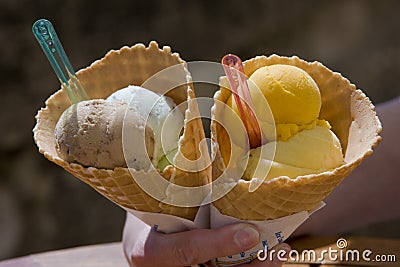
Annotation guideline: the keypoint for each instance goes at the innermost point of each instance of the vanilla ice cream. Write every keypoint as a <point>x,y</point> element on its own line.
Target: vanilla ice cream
<point>161,113</point>
<point>90,133</point>
<point>307,152</point>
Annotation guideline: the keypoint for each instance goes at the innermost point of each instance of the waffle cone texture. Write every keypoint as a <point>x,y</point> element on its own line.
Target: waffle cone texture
<point>353,120</point>
<point>131,66</point>
<point>347,109</point>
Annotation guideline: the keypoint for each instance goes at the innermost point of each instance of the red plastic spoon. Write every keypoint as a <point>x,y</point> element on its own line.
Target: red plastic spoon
<point>237,80</point>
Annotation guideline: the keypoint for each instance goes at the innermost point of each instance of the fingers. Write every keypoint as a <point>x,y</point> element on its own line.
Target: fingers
<point>198,246</point>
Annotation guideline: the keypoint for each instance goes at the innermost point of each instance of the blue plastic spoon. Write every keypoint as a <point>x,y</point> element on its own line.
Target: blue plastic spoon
<point>52,48</point>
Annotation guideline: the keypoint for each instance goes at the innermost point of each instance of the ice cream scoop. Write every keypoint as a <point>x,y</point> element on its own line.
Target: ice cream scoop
<point>90,133</point>
<point>292,95</point>
<point>307,152</point>
<point>303,144</point>
<point>161,113</point>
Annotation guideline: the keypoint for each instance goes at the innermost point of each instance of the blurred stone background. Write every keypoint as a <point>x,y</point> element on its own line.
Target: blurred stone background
<point>41,206</point>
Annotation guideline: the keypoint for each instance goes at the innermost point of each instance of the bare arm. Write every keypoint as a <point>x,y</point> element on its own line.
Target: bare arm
<point>371,193</point>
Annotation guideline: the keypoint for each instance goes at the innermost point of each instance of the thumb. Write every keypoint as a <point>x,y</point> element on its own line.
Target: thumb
<point>201,245</point>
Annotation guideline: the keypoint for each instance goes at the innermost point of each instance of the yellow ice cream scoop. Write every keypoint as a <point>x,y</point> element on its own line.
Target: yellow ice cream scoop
<point>303,144</point>
<point>309,151</point>
<point>292,95</point>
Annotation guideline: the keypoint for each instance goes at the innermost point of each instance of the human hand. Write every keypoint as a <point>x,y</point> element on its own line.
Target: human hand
<point>152,248</point>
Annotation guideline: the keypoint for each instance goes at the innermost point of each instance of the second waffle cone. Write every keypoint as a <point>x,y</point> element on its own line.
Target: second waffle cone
<point>353,120</point>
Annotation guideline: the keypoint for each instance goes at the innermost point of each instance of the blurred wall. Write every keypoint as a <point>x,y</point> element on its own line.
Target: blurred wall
<point>41,206</point>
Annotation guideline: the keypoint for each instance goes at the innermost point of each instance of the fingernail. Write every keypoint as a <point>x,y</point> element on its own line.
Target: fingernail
<point>246,237</point>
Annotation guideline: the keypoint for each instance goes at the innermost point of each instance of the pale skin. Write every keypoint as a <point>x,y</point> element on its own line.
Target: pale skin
<point>145,247</point>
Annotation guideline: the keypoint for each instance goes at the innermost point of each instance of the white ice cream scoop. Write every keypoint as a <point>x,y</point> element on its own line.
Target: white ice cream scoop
<point>160,112</point>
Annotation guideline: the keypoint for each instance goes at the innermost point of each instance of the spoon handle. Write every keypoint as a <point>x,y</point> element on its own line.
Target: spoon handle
<point>234,71</point>
<point>47,37</point>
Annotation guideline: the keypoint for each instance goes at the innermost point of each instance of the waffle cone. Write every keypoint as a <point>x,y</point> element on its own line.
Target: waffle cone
<point>353,120</point>
<point>118,69</point>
